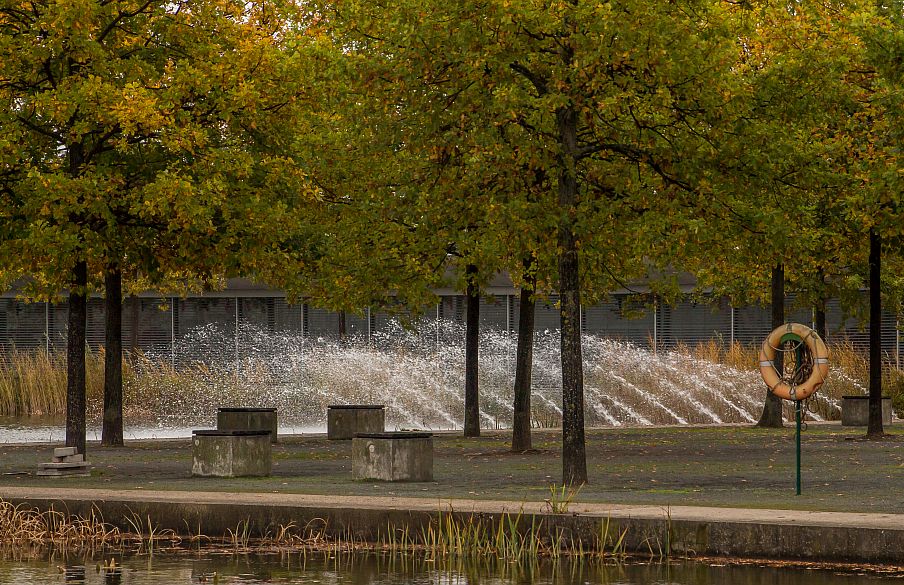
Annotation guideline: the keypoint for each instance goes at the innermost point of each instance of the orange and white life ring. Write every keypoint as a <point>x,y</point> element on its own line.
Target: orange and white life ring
<point>818,351</point>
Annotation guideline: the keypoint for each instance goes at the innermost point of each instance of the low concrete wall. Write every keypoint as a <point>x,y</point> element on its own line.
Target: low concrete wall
<point>343,421</point>
<point>217,453</point>
<point>248,419</point>
<point>855,411</point>
<point>775,534</point>
<point>398,456</point>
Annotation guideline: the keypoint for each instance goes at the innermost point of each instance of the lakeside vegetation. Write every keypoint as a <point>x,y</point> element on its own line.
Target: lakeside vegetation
<point>447,535</point>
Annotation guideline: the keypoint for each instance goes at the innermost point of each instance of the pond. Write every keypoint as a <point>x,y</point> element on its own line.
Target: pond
<point>373,569</point>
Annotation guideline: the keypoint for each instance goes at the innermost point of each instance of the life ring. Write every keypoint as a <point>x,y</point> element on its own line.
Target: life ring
<point>818,351</point>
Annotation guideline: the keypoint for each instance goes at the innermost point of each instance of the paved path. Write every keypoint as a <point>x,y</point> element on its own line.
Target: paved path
<point>689,513</point>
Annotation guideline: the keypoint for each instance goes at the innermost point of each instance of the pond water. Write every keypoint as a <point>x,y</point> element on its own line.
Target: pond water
<point>373,569</point>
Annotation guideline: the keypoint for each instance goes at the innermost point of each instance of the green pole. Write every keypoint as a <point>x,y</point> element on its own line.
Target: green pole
<point>797,413</point>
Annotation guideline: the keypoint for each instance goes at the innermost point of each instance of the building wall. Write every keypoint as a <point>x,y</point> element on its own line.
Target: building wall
<point>159,325</point>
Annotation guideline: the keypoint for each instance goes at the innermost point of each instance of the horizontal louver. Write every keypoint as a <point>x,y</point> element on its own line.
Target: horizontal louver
<point>216,328</point>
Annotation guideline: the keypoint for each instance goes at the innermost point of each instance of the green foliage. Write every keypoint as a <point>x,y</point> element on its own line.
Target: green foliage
<point>152,135</point>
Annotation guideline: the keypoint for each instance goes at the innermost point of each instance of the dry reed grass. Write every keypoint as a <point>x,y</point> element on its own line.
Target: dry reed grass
<point>33,382</point>
<point>848,374</point>
<point>511,537</point>
<point>22,525</point>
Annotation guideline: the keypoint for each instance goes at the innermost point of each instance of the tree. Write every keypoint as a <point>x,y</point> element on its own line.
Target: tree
<point>872,138</point>
<point>135,138</point>
<point>472,348</point>
<point>781,207</point>
<point>600,100</point>
<point>771,416</point>
<point>521,435</point>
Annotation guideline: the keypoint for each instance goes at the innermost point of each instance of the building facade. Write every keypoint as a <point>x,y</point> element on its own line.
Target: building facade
<point>156,324</point>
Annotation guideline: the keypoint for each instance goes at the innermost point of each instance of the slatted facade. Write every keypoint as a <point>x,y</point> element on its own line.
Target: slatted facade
<point>164,325</point>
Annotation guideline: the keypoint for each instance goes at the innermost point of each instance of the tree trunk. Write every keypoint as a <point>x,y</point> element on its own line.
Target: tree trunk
<point>75,358</point>
<point>524,354</point>
<point>819,313</point>
<point>472,348</point>
<point>874,421</point>
<point>820,321</point>
<point>111,433</point>
<point>574,456</point>
<point>772,408</point>
<point>342,329</point>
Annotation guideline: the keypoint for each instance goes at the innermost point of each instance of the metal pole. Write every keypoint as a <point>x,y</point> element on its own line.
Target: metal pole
<point>368,325</point>
<point>797,410</point>
<point>898,342</point>
<point>47,327</point>
<point>173,332</point>
<point>508,332</point>
<point>508,314</point>
<point>731,312</point>
<point>437,326</point>
<point>655,331</point>
<point>235,336</point>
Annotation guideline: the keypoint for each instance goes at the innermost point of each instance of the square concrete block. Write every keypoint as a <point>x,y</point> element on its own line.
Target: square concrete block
<point>65,463</point>
<point>218,453</point>
<point>393,456</point>
<point>343,421</point>
<point>247,419</point>
<point>855,411</point>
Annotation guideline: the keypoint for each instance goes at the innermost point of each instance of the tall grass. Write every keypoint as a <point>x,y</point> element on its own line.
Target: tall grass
<point>33,382</point>
<point>848,373</point>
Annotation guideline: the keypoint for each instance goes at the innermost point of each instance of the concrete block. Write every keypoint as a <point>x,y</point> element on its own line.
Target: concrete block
<point>72,472</point>
<point>401,456</point>
<point>217,453</point>
<point>248,419</point>
<point>343,421</point>
<point>69,465</point>
<point>855,411</point>
<point>64,451</point>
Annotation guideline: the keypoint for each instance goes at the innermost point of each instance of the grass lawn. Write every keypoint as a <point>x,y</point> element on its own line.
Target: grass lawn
<point>735,466</point>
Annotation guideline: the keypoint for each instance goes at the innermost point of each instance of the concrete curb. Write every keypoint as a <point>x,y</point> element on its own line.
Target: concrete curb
<point>774,534</point>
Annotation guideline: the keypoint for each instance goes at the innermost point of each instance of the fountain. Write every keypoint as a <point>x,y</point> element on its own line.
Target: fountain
<point>419,375</point>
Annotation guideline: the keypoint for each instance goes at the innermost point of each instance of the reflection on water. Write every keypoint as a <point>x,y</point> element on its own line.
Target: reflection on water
<point>296,567</point>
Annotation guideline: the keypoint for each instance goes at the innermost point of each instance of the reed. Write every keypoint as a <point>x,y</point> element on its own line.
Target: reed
<point>509,537</point>
<point>560,498</point>
<point>33,383</point>
<point>848,374</point>
<point>21,525</point>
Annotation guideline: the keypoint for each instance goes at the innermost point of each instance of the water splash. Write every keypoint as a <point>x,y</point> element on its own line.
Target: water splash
<point>419,375</point>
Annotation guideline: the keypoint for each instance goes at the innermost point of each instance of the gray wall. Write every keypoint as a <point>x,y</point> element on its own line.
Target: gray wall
<point>151,324</point>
